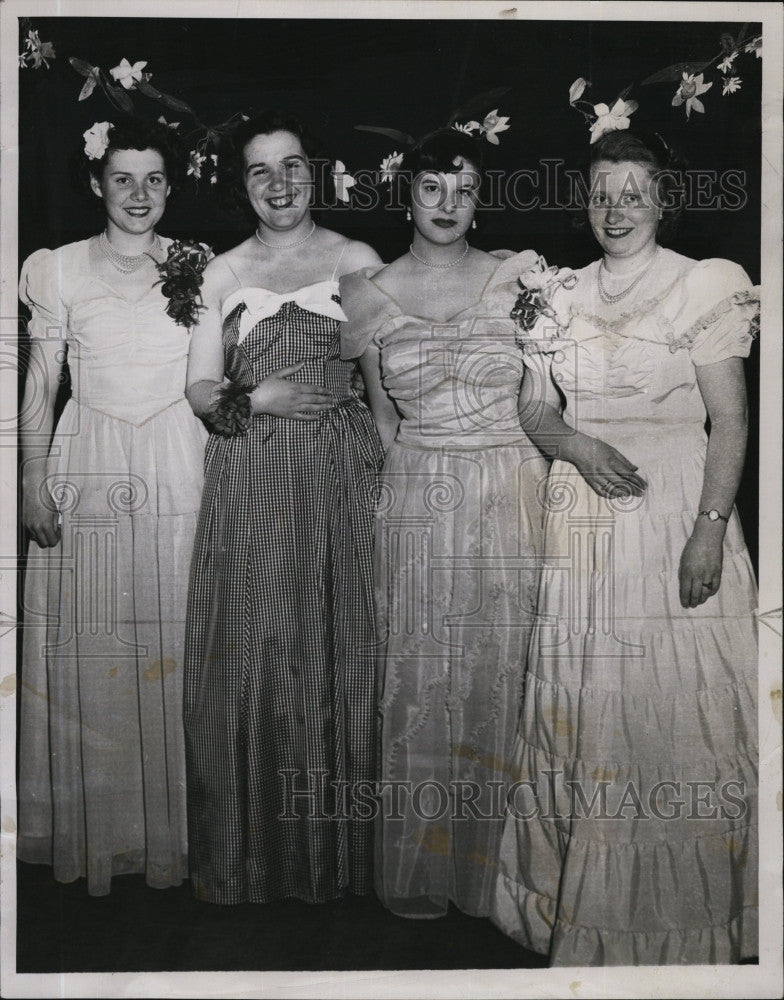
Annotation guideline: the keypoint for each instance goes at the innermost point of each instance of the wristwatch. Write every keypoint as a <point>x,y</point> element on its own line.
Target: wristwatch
<point>713,515</point>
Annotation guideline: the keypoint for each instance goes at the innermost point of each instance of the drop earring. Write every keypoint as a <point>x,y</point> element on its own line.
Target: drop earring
<point>408,215</point>
<point>473,223</point>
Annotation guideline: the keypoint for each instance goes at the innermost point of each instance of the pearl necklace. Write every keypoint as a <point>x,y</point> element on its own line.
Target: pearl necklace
<point>609,299</point>
<point>286,246</point>
<point>124,262</point>
<point>441,267</point>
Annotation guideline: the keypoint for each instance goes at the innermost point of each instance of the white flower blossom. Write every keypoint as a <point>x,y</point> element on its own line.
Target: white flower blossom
<point>689,91</point>
<point>492,125</point>
<point>390,166</point>
<point>96,140</point>
<point>196,161</point>
<point>343,180</point>
<point>611,119</point>
<point>755,45</point>
<point>127,75</point>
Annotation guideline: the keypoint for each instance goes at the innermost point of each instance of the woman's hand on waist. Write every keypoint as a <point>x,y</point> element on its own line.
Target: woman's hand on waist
<point>279,397</point>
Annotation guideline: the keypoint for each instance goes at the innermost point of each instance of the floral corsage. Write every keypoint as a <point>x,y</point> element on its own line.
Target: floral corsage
<point>181,280</point>
<point>230,413</point>
<point>539,284</point>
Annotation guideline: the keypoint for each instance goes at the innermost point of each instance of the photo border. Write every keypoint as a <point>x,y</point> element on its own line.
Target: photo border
<point>764,980</point>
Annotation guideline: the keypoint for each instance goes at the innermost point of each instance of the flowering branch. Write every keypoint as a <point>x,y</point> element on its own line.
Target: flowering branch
<point>601,117</point>
<point>690,75</point>
<point>126,79</point>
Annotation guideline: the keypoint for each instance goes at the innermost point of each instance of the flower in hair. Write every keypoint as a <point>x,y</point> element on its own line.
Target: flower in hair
<point>389,167</point>
<point>601,117</point>
<point>730,84</point>
<point>96,140</point>
<point>691,86</point>
<point>127,75</point>
<point>611,119</point>
<point>489,128</point>
<point>492,125</point>
<point>343,181</point>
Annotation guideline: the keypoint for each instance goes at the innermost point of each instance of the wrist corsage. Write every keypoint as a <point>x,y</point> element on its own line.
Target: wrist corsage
<point>181,280</point>
<point>231,413</point>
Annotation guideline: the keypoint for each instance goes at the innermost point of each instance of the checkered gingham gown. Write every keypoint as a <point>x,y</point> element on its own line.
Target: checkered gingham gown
<point>279,685</point>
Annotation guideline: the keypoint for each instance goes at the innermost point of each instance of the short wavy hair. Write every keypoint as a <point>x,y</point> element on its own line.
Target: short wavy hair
<point>135,133</point>
<point>436,152</point>
<point>665,165</point>
<point>231,163</point>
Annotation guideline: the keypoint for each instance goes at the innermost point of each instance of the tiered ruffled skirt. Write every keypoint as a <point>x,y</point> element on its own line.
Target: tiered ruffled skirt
<point>632,836</point>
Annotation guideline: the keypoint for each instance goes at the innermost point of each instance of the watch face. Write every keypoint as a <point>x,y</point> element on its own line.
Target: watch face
<point>713,515</point>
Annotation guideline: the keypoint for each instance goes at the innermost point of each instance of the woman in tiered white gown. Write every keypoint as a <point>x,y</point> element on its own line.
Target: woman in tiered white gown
<point>632,837</point>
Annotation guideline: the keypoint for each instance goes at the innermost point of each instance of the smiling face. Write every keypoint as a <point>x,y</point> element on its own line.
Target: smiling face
<point>443,205</point>
<point>278,180</point>
<point>623,212</point>
<point>134,189</point>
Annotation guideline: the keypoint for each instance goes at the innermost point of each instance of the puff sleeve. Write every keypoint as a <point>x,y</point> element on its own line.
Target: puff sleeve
<point>40,286</point>
<point>726,310</point>
<point>367,309</point>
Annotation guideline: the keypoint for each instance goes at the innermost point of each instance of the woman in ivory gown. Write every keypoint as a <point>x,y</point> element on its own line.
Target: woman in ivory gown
<point>457,534</point>
<point>111,509</point>
<point>632,838</point>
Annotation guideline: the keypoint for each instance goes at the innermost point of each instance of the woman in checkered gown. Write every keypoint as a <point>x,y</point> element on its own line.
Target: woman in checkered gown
<point>279,688</point>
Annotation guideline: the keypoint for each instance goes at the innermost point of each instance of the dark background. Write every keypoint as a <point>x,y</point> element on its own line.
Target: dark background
<point>408,75</point>
<point>335,74</point>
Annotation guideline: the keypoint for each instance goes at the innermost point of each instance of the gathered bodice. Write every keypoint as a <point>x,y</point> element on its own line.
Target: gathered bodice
<point>265,330</point>
<point>631,368</point>
<point>127,358</point>
<point>455,383</point>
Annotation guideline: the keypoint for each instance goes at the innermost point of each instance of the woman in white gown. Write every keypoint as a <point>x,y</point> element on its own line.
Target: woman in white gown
<point>632,837</point>
<point>111,510</point>
<point>458,535</point>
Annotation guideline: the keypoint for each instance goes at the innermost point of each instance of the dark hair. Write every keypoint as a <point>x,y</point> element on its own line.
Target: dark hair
<point>231,165</point>
<point>664,164</point>
<point>133,133</point>
<point>436,152</point>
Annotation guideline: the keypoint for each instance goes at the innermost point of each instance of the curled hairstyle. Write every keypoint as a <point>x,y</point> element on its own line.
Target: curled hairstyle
<point>133,133</point>
<point>231,160</point>
<point>437,152</point>
<point>665,166</point>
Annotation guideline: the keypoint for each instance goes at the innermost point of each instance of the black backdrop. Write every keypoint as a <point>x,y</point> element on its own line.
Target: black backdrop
<point>409,75</point>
